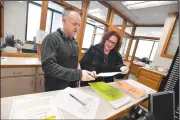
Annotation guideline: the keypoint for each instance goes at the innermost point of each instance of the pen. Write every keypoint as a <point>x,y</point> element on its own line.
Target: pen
<point>77,99</point>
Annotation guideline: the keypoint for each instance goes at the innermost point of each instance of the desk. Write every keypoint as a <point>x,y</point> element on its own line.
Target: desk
<point>105,111</point>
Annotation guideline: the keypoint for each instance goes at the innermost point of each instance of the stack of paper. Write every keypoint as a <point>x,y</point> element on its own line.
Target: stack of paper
<point>130,89</point>
<point>39,108</point>
<point>77,103</point>
<point>115,97</point>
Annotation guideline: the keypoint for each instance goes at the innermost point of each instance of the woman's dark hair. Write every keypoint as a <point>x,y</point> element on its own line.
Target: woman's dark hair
<point>107,36</point>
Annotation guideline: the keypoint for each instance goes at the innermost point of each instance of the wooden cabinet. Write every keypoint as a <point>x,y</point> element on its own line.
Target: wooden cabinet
<point>39,80</point>
<point>149,78</point>
<point>21,81</point>
<point>40,83</point>
<point>13,72</point>
<point>135,68</point>
<point>17,86</point>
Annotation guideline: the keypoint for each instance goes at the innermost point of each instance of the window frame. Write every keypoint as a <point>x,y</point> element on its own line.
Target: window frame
<point>151,48</point>
<point>34,3</point>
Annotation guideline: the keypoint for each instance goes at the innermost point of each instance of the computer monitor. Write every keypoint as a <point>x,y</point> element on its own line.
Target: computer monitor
<point>162,105</point>
<point>10,40</point>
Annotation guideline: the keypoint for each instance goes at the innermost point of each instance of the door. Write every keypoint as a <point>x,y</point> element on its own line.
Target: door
<point>17,86</point>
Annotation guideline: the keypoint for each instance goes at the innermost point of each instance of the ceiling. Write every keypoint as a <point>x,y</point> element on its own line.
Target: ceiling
<point>151,15</point>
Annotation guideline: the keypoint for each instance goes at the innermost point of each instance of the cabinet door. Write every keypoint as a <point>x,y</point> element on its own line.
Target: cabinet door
<point>17,86</point>
<point>40,83</point>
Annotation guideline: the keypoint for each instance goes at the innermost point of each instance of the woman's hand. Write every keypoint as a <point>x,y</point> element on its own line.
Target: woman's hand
<point>124,69</point>
<point>93,74</point>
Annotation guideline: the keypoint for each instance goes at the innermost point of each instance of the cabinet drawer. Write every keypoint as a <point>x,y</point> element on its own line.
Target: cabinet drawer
<point>150,75</point>
<point>17,86</point>
<point>8,72</point>
<point>40,71</point>
<point>148,82</point>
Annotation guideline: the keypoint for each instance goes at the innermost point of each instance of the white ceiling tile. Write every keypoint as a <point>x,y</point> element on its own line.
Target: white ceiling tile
<point>152,15</point>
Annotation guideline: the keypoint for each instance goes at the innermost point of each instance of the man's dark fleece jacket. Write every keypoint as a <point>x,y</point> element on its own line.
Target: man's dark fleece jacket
<point>59,57</point>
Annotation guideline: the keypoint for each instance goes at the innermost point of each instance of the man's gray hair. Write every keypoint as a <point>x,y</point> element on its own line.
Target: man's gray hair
<point>68,10</point>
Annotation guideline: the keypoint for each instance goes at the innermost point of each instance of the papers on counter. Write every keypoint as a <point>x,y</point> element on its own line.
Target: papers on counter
<point>115,97</point>
<point>130,89</point>
<point>107,74</point>
<point>39,108</point>
<point>82,105</point>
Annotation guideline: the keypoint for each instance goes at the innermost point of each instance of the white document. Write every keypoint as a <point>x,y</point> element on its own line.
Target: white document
<point>40,35</point>
<point>107,74</point>
<point>39,108</point>
<point>71,105</point>
<point>120,102</point>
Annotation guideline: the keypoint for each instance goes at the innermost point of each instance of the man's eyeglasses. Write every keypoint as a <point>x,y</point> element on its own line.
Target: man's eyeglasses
<point>113,43</point>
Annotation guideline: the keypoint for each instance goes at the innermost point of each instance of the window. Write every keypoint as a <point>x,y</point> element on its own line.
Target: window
<point>56,7</point>
<point>124,46</point>
<point>57,21</point>
<point>93,33</point>
<point>77,4</point>
<point>132,47</point>
<point>54,18</point>
<point>154,50</point>
<point>98,10</point>
<point>89,32</point>
<point>128,28</point>
<point>149,31</point>
<point>98,35</point>
<point>117,21</point>
<point>144,48</point>
<point>33,21</point>
<point>48,21</point>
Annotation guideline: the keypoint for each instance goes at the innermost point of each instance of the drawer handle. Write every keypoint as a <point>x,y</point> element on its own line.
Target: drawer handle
<point>16,73</point>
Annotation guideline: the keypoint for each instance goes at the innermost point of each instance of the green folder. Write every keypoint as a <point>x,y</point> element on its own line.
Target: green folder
<point>108,92</point>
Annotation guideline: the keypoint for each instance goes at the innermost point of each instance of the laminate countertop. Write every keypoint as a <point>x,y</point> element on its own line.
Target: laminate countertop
<point>7,62</point>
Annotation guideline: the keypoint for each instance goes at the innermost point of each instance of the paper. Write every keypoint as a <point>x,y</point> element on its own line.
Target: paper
<point>111,94</point>
<point>39,108</point>
<point>108,92</point>
<point>69,104</point>
<point>40,35</point>
<point>107,74</point>
<point>130,89</point>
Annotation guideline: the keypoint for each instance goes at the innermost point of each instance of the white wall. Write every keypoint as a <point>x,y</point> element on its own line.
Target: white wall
<point>158,60</point>
<point>15,19</point>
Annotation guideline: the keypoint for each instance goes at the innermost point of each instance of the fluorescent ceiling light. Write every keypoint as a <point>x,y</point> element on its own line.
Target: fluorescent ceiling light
<point>148,4</point>
<point>20,1</point>
<point>126,3</point>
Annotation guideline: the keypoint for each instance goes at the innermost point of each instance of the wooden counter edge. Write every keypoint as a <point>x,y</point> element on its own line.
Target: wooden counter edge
<point>124,112</point>
<point>153,71</point>
<point>22,66</point>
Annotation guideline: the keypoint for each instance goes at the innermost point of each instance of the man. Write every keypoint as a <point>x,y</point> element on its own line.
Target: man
<point>59,55</point>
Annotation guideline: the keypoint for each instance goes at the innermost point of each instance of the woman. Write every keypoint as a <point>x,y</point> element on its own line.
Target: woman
<point>104,57</point>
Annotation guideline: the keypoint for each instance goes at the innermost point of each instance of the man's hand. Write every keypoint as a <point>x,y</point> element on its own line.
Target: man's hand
<point>124,69</point>
<point>87,75</point>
